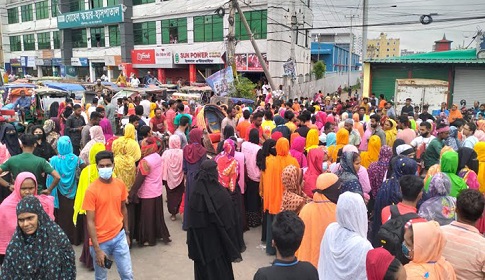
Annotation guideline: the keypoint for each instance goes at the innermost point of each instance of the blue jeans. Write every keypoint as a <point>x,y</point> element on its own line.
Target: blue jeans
<point>117,248</point>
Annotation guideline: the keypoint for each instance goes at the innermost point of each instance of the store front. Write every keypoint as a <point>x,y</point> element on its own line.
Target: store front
<point>81,66</point>
<point>98,69</point>
<point>56,66</point>
<point>16,67</point>
<point>44,67</point>
<point>113,65</point>
<point>28,66</point>
<point>158,61</point>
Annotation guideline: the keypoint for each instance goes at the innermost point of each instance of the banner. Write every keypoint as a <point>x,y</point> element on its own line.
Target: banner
<point>198,58</point>
<point>99,16</point>
<point>289,69</point>
<point>222,82</point>
<point>249,62</point>
<point>79,61</point>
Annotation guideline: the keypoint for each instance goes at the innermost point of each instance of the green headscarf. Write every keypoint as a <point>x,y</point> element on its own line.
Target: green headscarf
<point>449,166</point>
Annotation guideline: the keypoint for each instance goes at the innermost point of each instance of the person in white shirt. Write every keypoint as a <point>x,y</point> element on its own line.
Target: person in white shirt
<point>134,81</point>
<point>468,131</point>
<point>146,106</point>
<point>93,107</point>
<point>265,88</point>
<point>425,135</point>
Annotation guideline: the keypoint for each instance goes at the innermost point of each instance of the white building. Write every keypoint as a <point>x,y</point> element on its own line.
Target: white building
<point>176,39</point>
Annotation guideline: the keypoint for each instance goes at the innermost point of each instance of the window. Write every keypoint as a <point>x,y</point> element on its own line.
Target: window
<point>29,42</point>
<point>174,31</point>
<point>79,38</point>
<point>97,37</point>
<point>257,21</point>
<point>27,13</point>
<point>56,38</point>
<point>113,3</point>
<point>42,10</point>
<point>54,4</point>
<point>95,4</point>
<point>76,5</point>
<point>145,33</point>
<point>44,41</point>
<point>15,44</point>
<point>114,36</point>
<point>140,2</point>
<point>13,16</point>
<point>208,28</point>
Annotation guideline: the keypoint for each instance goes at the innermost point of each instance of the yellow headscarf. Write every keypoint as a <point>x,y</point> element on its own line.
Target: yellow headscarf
<point>480,149</point>
<point>311,139</point>
<point>88,175</point>
<point>391,134</point>
<point>372,153</point>
<point>127,152</point>
<point>153,106</point>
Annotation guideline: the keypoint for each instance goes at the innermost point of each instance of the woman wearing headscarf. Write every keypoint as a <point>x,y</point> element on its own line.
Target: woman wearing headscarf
<point>311,140</point>
<point>228,133</point>
<point>281,127</point>
<point>194,154</point>
<point>67,164</point>
<point>316,157</point>
<point>390,129</point>
<point>331,139</point>
<point>357,125</point>
<point>406,150</point>
<point>211,229</point>
<point>436,168</point>
<point>41,251</point>
<point>173,175</point>
<point>147,192</point>
<point>43,148</point>
<point>423,245</point>
<point>344,246</point>
<point>381,265</point>
<point>342,140</point>
<point>88,175</point>
<point>468,167</point>
<point>272,186</point>
<point>439,205</point>
<point>317,215</point>
<point>105,125</point>
<point>252,200</point>
<point>9,137</point>
<point>390,191</point>
<point>365,139</point>
<point>377,170</point>
<point>347,172</point>
<point>455,114</point>
<point>25,185</point>
<point>52,135</point>
<point>480,149</point>
<point>452,139</point>
<point>228,169</point>
<point>97,136</point>
<point>449,166</point>
<point>372,153</point>
<point>60,117</point>
<point>293,197</point>
<point>297,151</point>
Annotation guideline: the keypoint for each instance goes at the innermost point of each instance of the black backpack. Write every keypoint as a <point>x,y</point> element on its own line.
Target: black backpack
<point>391,233</point>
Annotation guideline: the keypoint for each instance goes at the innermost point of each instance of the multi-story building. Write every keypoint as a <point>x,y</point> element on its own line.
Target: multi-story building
<point>176,39</point>
<point>383,47</point>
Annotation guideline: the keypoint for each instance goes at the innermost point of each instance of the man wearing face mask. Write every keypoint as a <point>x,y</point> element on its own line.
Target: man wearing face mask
<point>107,220</point>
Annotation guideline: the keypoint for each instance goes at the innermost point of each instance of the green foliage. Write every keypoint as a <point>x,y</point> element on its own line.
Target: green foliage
<point>319,69</point>
<point>244,88</point>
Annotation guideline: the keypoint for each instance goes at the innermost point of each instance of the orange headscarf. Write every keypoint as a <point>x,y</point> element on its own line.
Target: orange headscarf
<point>342,140</point>
<point>317,215</point>
<point>372,153</point>
<point>273,186</point>
<point>456,114</point>
<point>480,150</point>
<point>358,125</point>
<point>429,242</point>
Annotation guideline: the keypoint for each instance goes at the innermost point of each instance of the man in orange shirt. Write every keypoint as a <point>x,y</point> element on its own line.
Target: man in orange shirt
<point>296,106</point>
<point>242,126</point>
<point>107,219</point>
<point>382,101</point>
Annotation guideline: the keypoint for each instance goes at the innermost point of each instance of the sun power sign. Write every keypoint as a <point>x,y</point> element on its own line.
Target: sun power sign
<point>100,16</point>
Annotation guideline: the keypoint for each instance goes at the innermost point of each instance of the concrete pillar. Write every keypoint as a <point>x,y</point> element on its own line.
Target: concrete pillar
<point>66,37</point>
<point>126,31</point>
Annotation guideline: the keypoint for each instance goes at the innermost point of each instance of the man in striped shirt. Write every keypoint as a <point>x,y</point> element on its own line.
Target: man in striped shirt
<point>465,248</point>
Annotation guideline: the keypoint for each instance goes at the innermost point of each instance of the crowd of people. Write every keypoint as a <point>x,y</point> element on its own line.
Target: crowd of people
<point>339,189</point>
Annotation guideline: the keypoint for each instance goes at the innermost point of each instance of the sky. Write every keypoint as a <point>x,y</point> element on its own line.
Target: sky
<point>415,37</point>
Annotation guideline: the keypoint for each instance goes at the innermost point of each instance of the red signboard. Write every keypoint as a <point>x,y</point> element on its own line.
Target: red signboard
<point>143,56</point>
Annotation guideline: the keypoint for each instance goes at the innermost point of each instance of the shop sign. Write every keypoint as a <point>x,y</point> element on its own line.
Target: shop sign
<point>143,56</point>
<point>198,58</point>
<point>163,56</point>
<point>27,61</point>
<point>56,61</point>
<point>100,16</point>
<point>39,62</point>
<point>249,62</point>
<point>47,53</point>
<point>79,61</point>
<point>15,62</point>
<point>112,60</point>
<point>47,62</point>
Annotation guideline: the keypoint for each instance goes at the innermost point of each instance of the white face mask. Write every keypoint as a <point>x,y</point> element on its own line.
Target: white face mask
<point>324,166</point>
<point>105,173</point>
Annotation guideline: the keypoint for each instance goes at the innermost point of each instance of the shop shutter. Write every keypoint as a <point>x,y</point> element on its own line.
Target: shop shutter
<point>469,85</point>
<point>384,80</point>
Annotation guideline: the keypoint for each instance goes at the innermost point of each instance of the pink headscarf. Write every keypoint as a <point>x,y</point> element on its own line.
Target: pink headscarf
<point>97,136</point>
<point>480,135</point>
<point>8,214</point>
<point>4,154</point>
<point>172,163</point>
<point>296,151</point>
<point>330,119</point>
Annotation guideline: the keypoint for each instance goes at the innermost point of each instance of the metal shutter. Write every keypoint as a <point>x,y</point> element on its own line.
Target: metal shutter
<point>384,80</point>
<point>469,85</point>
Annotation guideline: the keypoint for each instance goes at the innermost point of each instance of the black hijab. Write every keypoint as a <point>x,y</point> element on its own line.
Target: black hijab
<point>267,150</point>
<point>396,144</point>
<point>254,136</point>
<point>54,109</point>
<point>10,138</point>
<point>44,149</point>
<point>467,157</point>
<point>228,131</point>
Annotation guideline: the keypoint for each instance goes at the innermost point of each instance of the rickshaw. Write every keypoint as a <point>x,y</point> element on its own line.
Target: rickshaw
<point>210,118</point>
<point>71,88</point>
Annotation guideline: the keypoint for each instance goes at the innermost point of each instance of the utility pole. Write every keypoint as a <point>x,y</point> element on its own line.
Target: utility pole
<point>255,46</point>
<point>349,63</point>
<point>294,36</point>
<point>231,38</point>
<point>365,15</point>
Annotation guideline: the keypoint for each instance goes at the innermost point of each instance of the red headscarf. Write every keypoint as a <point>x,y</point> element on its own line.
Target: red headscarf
<point>227,166</point>
<point>315,160</point>
<point>276,135</point>
<point>377,263</point>
<point>194,151</point>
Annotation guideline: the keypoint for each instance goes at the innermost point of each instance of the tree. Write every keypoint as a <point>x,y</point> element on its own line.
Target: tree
<point>244,87</point>
<point>319,69</point>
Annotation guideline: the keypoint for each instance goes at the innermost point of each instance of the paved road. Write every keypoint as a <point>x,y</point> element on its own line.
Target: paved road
<point>170,262</point>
